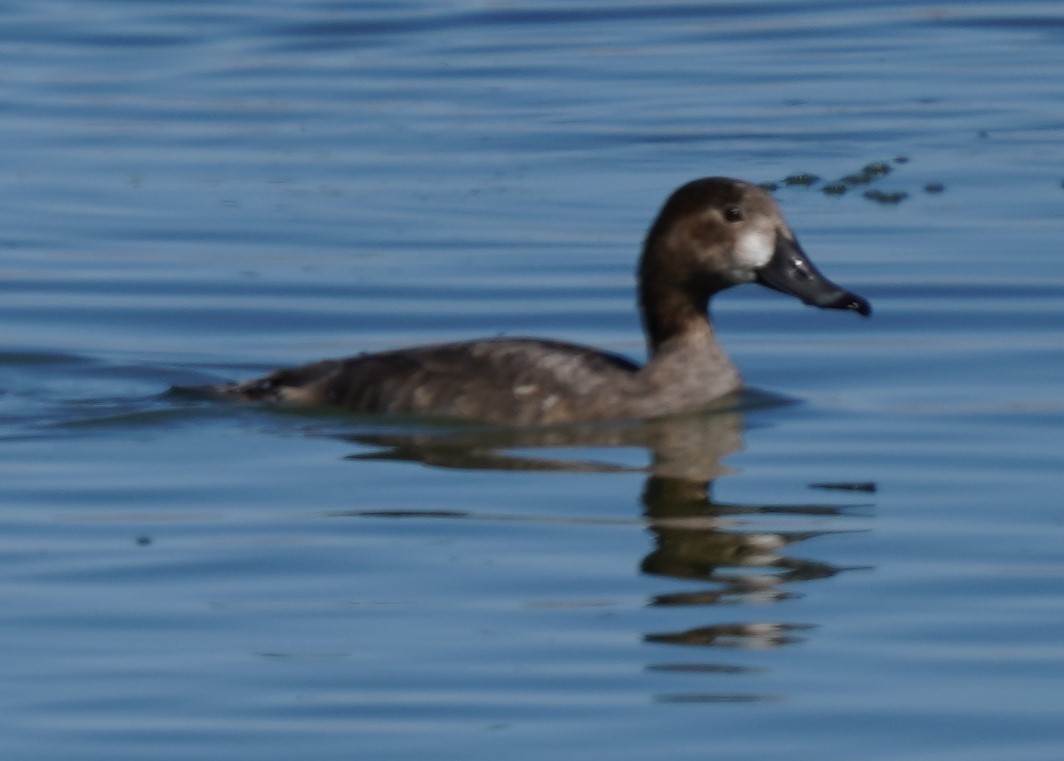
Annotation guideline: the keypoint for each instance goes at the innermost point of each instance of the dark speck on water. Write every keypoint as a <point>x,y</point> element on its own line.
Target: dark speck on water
<point>868,174</point>
<point>885,198</point>
<point>802,179</point>
<point>862,486</point>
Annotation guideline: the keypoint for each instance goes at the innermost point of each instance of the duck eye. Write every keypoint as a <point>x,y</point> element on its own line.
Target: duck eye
<point>733,214</point>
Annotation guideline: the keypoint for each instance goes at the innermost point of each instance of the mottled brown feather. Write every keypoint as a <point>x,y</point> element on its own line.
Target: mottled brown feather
<point>710,234</point>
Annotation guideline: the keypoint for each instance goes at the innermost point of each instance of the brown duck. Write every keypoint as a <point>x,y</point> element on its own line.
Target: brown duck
<point>711,234</point>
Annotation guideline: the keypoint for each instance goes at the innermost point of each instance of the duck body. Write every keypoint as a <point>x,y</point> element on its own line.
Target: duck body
<point>520,381</point>
<point>711,234</point>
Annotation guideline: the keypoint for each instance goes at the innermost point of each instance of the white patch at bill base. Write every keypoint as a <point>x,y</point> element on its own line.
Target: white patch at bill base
<point>755,247</point>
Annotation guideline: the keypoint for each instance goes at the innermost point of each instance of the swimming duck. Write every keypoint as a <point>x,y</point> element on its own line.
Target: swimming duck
<point>711,234</point>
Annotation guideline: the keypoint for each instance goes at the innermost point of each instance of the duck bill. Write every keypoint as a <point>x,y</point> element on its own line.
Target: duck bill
<point>790,271</point>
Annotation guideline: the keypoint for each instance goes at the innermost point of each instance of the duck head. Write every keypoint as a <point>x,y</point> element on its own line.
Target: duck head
<point>718,232</point>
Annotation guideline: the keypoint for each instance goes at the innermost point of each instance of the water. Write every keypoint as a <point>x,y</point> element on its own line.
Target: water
<point>203,191</point>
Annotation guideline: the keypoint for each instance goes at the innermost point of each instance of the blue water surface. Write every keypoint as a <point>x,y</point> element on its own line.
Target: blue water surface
<point>867,561</point>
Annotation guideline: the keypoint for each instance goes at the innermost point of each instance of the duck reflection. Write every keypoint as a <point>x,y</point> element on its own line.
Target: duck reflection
<point>697,538</point>
<point>730,551</point>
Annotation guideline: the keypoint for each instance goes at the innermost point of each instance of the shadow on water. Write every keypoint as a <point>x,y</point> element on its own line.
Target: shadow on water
<point>723,547</point>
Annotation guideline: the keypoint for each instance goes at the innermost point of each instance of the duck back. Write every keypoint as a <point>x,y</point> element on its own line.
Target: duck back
<point>513,380</point>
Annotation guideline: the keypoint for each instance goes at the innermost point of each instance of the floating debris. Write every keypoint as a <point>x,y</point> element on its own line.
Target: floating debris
<point>876,169</point>
<point>867,175</point>
<point>801,179</point>
<point>887,199</point>
<point>863,486</point>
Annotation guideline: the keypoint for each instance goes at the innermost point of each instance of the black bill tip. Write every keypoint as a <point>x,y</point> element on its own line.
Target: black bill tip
<point>848,300</point>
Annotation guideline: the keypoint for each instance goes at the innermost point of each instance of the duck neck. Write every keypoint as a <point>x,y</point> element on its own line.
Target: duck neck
<point>683,354</point>
<point>671,316</point>
<point>672,307</point>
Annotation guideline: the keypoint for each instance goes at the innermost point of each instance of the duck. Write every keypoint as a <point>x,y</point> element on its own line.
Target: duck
<point>711,234</point>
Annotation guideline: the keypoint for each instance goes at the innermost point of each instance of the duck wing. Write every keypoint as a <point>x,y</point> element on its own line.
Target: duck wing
<point>500,380</point>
